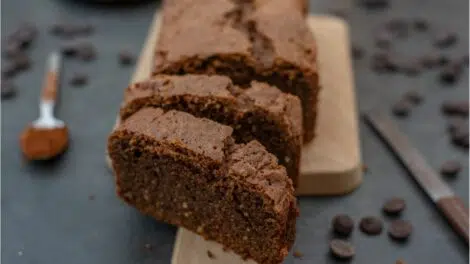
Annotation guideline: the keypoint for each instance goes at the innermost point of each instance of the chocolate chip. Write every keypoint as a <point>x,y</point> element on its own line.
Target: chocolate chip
<point>421,24</point>
<point>69,49</point>
<point>374,4</point>
<point>450,168</point>
<point>210,254</point>
<point>341,249</point>
<point>357,52</point>
<point>371,225</point>
<point>126,57</point>
<point>401,108</point>
<point>8,89</point>
<point>413,97</point>
<point>342,224</point>
<point>394,206</point>
<point>445,39</point>
<point>459,107</point>
<point>400,229</point>
<point>79,79</point>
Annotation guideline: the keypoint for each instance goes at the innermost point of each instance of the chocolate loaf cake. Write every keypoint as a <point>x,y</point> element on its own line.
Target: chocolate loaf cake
<point>263,40</point>
<point>260,112</point>
<point>187,171</point>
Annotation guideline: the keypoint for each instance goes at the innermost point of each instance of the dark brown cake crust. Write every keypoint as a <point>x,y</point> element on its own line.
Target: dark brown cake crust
<point>260,112</point>
<point>264,40</point>
<point>187,171</point>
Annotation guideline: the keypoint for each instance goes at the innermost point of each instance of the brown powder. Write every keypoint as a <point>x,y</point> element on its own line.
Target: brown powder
<point>42,144</point>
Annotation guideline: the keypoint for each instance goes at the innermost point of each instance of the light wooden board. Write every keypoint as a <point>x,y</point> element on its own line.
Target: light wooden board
<point>330,165</point>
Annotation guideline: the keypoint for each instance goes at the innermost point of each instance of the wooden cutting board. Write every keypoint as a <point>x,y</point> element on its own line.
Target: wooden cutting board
<point>331,165</point>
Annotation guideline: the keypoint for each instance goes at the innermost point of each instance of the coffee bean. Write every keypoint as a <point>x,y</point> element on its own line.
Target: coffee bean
<point>400,229</point>
<point>79,79</point>
<point>421,24</point>
<point>374,4</point>
<point>371,225</point>
<point>445,39</point>
<point>458,107</point>
<point>401,108</point>
<point>413,97</point>
<point>342,249</point>
<point>394,206</point>
<point>126,57</point>
<point>342,224</point>
<point>383,39</point>
<point>8,89</point>
<point>450,168</point>
<point>357,52</point>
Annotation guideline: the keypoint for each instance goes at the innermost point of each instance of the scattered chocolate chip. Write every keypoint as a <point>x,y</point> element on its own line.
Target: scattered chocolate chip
<point>458,107</point>
<point>383,39</point>
<point>357,52</point>
<point>371,225</point>
<point>8,89</point>
<point>298,254</point>
<point>421,24</point>
<point>210,254</point>
<point>394,206</point>
<point>413,97</point>
<point>342,224</point>
<point>374,4</point>
<point>401,108</point>
<point>450,168</point>
<point>69,49</point>
<point>79,79</point>
<point>445,39</point>
<point>341,249</point>
<point>400,229</point>
<point>126,57</point>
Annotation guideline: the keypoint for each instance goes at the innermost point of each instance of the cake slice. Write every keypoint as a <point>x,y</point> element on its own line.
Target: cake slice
<point>187,171</point>
<point>260,112</point>
<point>263,40</point>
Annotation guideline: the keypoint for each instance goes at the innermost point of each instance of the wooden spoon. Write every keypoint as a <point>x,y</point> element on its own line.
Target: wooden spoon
<point>47,136</point>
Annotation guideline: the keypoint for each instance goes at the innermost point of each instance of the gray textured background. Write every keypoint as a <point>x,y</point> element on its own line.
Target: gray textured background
<point>48,218</point>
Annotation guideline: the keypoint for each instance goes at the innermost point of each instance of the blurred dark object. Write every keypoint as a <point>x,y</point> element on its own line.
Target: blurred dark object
<point>113,2</point>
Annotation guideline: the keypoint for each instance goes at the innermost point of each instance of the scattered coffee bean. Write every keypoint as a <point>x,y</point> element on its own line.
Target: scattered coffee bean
<point>342,224</point>
<point>413,97</point>
<point>450,168</point>
<point>383,39</point>
<point>394,206</point>
<point>411,68</point>
<point>451,73</point>
<point>421,24</point>
<point>460,137</point>
<point>8,89</point>
<point>298,254</point>
<point>374,4</point>
<point>401,108</point>
<point>341,249</point>
<point>398,27</point>
<point>79,79</point>
<point>126,57</point>
<point>445,39</point>
<point>400,229</point>
<point>458,107</point>
<point>210,254</point>
<point>371,225</point>
<point>357,52</point>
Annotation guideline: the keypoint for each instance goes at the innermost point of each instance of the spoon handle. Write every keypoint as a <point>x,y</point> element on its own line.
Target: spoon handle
<point>49,90</point>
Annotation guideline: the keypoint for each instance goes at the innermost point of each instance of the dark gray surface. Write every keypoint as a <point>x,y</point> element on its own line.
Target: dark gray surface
<point>47,216</point>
